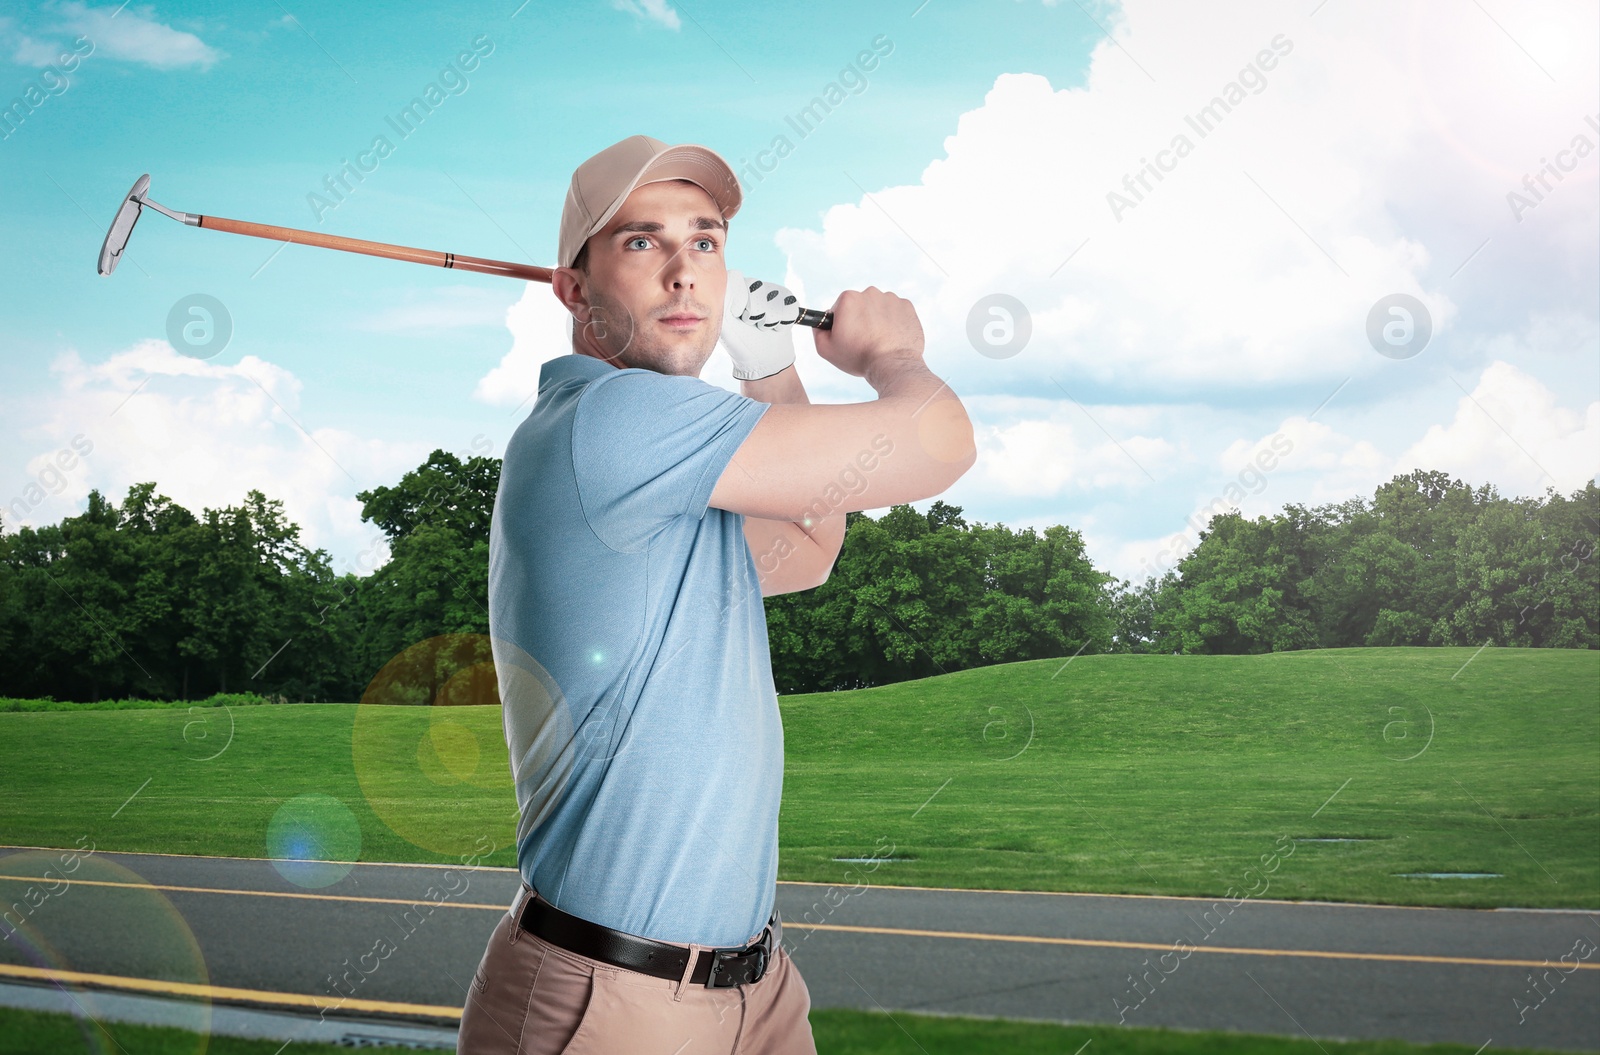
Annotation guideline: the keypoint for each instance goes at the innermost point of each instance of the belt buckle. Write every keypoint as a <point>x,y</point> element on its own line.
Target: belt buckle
<point>734,967</point>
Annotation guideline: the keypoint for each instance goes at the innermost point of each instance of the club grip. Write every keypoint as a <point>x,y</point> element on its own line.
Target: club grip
<point>822,320</point>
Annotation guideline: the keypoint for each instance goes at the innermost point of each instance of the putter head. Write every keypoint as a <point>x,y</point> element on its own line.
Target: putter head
<point>122,226</point>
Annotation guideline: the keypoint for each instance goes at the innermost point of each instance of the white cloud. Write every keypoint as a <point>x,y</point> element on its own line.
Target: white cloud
<point>651,10</point>
<point>1219,275</point>
<point>1236,286</point>
<point>1073,449</point>
<point>1311,463</point>
<point>25,51</point>
<point>1511,430</point>
<point>540,331</point>
<point>208,433</point>
<point>1233,293</point>
<point>1336,466</point>
<point>133,35</point>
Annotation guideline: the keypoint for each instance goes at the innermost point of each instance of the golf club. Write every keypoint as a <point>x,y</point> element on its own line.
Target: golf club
<point>128,215</point>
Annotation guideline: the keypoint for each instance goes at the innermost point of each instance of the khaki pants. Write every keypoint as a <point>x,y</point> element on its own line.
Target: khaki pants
<point>530,997</point>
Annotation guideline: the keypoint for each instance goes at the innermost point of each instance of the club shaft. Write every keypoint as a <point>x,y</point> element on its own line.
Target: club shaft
<point>432,257</point>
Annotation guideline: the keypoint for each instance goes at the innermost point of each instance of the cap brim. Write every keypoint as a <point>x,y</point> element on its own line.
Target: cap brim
<point>696,164</point>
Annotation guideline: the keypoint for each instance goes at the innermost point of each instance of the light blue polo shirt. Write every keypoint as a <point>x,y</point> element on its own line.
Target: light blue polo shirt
<point>630,644</point>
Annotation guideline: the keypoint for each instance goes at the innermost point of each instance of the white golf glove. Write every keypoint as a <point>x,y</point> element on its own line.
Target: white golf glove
<point>758,326</point>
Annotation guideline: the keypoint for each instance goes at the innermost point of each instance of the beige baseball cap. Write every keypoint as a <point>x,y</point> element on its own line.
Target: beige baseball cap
<point>601,184</point>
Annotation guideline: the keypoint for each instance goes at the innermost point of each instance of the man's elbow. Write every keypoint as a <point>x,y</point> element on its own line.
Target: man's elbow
<point>968,460</point>
<point>829,555</point>
<point>799,572</point>
<point>778,589</point>
<point>951,439</point>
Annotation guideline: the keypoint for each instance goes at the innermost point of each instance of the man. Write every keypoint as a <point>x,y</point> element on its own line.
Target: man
<point>642,515</point>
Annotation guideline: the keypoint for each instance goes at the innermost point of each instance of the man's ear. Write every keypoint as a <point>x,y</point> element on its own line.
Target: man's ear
<point>568,284</point>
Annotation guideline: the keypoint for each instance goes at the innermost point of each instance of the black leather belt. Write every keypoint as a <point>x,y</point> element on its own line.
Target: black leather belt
<point>714,969</point>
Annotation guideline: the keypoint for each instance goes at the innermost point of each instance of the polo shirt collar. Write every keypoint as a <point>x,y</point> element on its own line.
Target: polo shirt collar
<point>572,365</point>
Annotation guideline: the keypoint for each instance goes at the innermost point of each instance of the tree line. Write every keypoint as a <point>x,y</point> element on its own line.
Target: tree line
<point>1428,561</point>
<point>146,599</point>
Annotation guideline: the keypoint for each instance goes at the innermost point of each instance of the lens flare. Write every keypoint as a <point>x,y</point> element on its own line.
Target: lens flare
<point>313,840</point>
<point>70,912</point>
<point>427,744</point>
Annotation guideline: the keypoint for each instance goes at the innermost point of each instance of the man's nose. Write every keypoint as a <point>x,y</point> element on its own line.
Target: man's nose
<point>679,271</point>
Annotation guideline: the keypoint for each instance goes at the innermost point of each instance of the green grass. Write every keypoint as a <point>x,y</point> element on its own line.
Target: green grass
<point>837,1033</point>
<point>1176,774</point>
<point>45,1033</point>
<point>1143,774</point>
<point>840,1032</point>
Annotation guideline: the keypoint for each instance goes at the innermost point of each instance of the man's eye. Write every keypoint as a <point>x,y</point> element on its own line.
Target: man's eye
<point>640,238</point>
<point>710,242</point>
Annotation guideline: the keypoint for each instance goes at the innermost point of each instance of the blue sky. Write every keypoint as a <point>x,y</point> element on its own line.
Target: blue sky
<point>279,102</point>
<point>1171,340</point>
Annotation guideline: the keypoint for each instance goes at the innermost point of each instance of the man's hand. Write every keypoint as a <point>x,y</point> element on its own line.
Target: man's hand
<point>870,328</point>
<point>758,326</point>
<point>914,440</point>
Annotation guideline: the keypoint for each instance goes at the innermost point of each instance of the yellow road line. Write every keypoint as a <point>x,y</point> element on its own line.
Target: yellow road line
<point>222,992</point>
<point>1229,949</point>
<point>1027,939</point>
<point>299,895</point>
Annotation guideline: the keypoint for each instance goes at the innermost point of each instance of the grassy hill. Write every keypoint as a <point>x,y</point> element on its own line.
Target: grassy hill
<point>1142,774</point>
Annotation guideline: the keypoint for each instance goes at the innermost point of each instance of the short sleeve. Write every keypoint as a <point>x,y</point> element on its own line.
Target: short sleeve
<point>648,448</point>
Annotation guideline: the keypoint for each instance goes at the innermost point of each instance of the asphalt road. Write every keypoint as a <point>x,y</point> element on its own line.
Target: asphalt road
<point>244,934</point>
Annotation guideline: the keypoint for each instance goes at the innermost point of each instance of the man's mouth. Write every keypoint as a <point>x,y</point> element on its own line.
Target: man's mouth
<point>682,321</point>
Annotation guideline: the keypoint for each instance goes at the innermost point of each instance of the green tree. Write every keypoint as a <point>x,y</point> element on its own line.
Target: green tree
<point>1238,591</point>
<point>1043,596</point>
<point>1562,605</point>
<point>913,595</point>
<point>75,581</point>
<point>435,582</point>
<point>1134,611</point>
<point>443,491</point>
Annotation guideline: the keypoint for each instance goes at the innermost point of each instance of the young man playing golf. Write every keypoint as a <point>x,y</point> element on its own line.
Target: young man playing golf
<point>642,515</point>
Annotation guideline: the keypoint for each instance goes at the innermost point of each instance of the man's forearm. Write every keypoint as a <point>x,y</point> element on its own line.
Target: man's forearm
<point>903,379</point>
<point>827,533</point>
<point>782,387</point>
<point>905,376</point>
